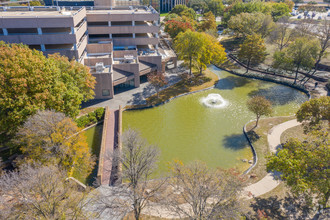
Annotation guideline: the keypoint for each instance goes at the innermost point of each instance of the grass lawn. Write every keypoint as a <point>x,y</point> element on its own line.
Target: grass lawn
<point>198,82</point>
<point>295,132</point>
<point>258,137</point>
<point>163,14</point>
<point>94,138</point>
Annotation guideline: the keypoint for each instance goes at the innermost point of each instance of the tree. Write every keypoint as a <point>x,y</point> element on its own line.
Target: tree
<point>301,54</point>
<point>304,167</point>
<point>260,106</point>
<point>138,161</point>
<point>187,45</point>
<point>183,10</point>
<point>251,23</point>
<point>280,10</point>
<point>174,27</point>
<point>282,35</point>
<point>50,138</point>
<point>199,49</point>
<point>41,193</point>
<point>29,81</point>
<point>313,112</point>
<point>252,51</point>
<point>199,192</point>
<point>215,6</point>
<point>211,51</point>
<point>323,34</point>
<point>157,80</point>
<point>208,22</point>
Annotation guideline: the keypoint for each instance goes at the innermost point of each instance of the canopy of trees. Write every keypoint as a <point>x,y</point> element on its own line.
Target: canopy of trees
<point>251,23</point>
<point>252,51</point>
<point>41,193</point>
<point>276,10</point>
<point>199,49</point>
<point>214,6</point>
<point>304,166</point>
<point>29,81</point>
<point>50,138</point>
<point>312,112</point>
<point>299,55</point>
<point>206,193</point>
<point>178,25</point>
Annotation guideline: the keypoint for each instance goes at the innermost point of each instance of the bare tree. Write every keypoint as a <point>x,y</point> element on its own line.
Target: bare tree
<point>322,32</point>
<point>282,34</point>
<point>138,161</point>
<point>40,193</point>
<point>202,193</point>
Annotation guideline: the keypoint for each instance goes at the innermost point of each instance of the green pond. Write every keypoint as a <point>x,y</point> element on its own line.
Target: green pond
<point>186,129</point>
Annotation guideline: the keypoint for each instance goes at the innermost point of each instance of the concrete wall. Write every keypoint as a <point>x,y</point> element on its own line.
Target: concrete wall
<point>122,53</point>
<point>93,16</point>
<point>99,48</point>
<point>122,29</point>
<point>123,41</point>
<point>153,59</point>
<point>103,81</point>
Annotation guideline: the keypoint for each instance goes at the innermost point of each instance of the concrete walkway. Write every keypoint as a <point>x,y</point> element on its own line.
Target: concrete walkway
<point>268,183</point>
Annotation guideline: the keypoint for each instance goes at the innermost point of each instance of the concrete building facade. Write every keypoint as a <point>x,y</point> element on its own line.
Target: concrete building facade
<point>119,44</point>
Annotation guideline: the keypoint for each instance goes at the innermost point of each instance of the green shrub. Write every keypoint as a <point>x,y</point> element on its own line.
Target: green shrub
<point>99,113</point>
<point>90,118</point>
<point>83,121</point>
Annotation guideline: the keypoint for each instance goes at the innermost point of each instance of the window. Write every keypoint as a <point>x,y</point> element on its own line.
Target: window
<point>105,92</point>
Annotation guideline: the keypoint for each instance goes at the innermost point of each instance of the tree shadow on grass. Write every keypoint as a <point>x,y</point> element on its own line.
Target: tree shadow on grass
<point>231,82</point>
<point>278,95</point>
<point>290,207</point>
<point>235,141</point>
<point>253,136</point>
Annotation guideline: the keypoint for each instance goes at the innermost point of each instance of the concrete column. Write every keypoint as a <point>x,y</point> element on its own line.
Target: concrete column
<point>43,48</point>
<point>136,79</point>
<point>112,92</point>
<point>5,32</point>
<point>109,23</point>
<point>39,31</point>
<point>72,30</point>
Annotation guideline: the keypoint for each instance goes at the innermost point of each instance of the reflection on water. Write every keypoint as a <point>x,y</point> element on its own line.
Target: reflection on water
<point>185,129</point>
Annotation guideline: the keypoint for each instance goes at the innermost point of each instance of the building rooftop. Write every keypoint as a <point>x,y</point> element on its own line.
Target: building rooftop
<point>37,12</point>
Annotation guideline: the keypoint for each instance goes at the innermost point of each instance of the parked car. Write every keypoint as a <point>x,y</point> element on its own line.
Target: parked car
<point>329,14</point>
<point>319,18</point>
<point>299,17</point>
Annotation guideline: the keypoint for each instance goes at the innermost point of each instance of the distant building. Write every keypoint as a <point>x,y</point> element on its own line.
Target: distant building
<point>168,5</point>
<point>118,43</point>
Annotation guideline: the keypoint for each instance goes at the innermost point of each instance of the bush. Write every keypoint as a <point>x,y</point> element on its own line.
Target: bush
<point>90,118</point>
<point>99,113</point>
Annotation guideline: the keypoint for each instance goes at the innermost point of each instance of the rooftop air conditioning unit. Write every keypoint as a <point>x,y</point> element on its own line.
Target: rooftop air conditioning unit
<point>99,67</point>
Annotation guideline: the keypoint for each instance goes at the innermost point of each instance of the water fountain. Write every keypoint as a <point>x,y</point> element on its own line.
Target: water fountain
<point>214,100</point>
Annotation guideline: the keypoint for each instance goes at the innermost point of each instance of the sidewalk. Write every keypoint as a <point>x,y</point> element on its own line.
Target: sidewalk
<point>269,182</point>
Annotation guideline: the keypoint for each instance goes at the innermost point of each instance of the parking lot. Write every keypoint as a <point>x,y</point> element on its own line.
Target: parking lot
<point>310,15</point>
